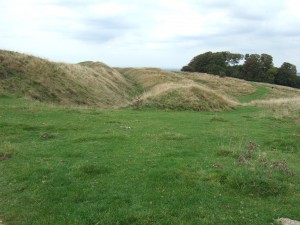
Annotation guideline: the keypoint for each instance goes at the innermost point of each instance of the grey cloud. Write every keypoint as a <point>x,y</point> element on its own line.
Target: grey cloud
<point>249,15</point>
<point>98,36</point>
<point>108,23</point>
<point>213,5</point>
<point>242,9</point>
<point>282,33</point>
<point>103,29</point>
<point>71,3</point>
<point>241,17</point>
<point>183,38</point>
<point>253,26</point>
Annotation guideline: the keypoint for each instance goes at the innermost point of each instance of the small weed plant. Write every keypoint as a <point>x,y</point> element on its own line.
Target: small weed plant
<point>254,174</point>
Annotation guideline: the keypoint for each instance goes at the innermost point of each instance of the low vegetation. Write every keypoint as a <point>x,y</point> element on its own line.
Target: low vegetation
<point>185,91</point>
<point>91,84</point>
<point>194,97</point>
<point>281,107</point>
<point>88,166</point>
<point>143,146</point>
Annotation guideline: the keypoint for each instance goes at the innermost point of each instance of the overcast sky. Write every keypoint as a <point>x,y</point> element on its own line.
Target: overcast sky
<point>137,33</point>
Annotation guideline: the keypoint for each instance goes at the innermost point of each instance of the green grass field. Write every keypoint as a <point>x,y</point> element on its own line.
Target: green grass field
<point>260,92</point>
<point>87,166</point>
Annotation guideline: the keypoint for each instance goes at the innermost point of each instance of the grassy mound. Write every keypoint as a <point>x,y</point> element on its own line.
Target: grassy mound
<point>96,84</point>
<point>148,78</point>
<point>87,83</point>
<point>193,97</point>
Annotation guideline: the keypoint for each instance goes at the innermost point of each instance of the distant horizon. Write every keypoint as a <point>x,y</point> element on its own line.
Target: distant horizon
<point>111,65</point>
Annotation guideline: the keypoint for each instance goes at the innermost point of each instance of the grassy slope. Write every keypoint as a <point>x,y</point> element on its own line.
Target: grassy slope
<point>96,84</point>
<point>87,166</point>
<point>156,84</point>
<point>83,84</point>
<point>261,91</point>
<point>186,91</point>
<point>279,101</point>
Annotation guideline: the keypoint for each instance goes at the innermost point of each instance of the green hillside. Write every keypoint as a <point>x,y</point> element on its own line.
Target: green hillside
<point>92,84</point>
<point>90,144</point>
<point>98,85</point>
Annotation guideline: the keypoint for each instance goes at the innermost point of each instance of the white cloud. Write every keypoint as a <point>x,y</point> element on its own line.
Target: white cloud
<point>149,33</point>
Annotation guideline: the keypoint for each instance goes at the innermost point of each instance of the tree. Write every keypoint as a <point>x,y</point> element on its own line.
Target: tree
<point>187,69</point>
<point>294,81</point>
<point>268,68</point>
<point>233,59</point>
<point>256,67</point>
<point>234,71</point>
<point>285,73</point>
<point>259,68</point>
<point>252,67</point>
<point>266,62</point>
<point>271,73</point>
<point>209,63</point>
<point>214,63</point>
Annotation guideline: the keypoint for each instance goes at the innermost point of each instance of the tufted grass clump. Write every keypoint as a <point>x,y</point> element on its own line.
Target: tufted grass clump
<point>93,169</point>
<point>255,175</point>
<point>7,150</point>
<point>259,181</point>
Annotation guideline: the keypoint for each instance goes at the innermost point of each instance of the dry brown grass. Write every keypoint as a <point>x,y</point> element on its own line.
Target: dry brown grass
<point>158,85</point>
<point>281,107</point>
<point>163,87</point>
<point>170,90</point>
<point>228,86</point>
<point>96,84</point>
<point>92,84</point>
<point>150,77</point>
<point>186,97</point>
<point>277,91</point>
<point>287,221</point>
<point>183,84</point>
<point>147,78</point>
<point>281,101</point>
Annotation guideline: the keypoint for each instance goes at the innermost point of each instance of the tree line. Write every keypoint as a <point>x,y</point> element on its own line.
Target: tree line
<point>251,67</point>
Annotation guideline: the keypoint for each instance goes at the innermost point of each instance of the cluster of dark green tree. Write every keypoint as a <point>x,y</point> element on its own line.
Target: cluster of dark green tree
<point>252,67</point>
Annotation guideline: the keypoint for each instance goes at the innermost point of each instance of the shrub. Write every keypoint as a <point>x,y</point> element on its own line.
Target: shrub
<point>188,69</point>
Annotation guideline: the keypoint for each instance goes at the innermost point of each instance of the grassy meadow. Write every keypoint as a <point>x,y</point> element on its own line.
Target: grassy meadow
<point>89,144</point>
<point>89,166</point>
